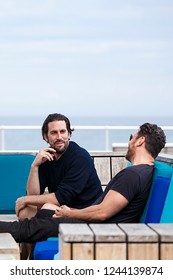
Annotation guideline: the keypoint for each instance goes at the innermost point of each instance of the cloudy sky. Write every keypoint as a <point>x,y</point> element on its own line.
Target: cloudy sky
<point>86,57</point>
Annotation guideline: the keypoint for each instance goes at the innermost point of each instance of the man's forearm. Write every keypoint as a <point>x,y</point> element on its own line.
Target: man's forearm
<point>40,200</point>
<point>91,213</point>
<point>33,184</point>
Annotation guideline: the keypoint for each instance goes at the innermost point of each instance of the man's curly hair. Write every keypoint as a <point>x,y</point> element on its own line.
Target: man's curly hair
<point>155,138</point>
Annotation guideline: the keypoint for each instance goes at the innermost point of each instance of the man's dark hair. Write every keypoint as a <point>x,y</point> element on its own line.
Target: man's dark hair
<point>155,138</point>
<point>55,117</point>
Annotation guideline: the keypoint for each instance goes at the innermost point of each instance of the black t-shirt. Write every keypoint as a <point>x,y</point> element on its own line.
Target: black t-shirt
<point>134,184</point>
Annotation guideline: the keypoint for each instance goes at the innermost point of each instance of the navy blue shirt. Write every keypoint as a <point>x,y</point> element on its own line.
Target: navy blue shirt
<point>72,178</point>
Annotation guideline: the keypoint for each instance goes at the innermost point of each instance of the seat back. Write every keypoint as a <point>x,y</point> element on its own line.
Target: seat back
<point>158,195</point>
<point>14,171</point>
<point>167,213</point>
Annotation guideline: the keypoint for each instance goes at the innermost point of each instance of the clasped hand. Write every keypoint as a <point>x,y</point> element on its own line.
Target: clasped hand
<point>20,204</point>
<point>61,211</point>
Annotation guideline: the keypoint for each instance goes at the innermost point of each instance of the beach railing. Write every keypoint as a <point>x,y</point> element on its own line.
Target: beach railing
<point>105,128</point>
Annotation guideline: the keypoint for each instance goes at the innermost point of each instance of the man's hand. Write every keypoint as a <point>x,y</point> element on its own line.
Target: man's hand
<point>20,204</point>
<point>62,211</point>
<point>44,155</point>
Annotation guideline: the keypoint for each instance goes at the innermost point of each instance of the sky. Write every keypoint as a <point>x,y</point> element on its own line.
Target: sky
<point>90,57</point>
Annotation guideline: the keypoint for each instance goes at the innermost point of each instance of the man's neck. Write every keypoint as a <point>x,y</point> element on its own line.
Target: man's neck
<point>143,160</point>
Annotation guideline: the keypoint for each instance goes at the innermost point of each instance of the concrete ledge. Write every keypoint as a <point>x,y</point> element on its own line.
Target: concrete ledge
<point>8,217</point>
<point>9,247</point>
<point>122,148</point>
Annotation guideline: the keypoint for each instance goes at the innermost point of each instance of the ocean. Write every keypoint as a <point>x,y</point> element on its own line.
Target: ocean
<point>92,140</point>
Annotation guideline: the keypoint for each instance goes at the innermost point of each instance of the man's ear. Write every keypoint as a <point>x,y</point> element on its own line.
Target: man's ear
<point>140,140</point>
<point>45,138</point>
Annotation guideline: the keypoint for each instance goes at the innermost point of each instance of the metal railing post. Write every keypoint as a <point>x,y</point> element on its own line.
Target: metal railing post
<point>2,137</point>
<point>106,139</point>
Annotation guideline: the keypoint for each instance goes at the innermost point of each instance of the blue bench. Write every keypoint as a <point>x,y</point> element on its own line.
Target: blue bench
<point>14,170</point>
<point>158,209</point>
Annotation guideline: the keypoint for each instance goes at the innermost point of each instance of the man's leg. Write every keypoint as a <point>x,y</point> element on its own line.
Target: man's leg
<point>28,212</point>
<point>27,248</point>
<point>35,229</point>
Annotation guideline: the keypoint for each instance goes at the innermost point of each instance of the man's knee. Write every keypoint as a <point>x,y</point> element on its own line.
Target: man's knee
<point>27,212</point>
<point>49,206</point>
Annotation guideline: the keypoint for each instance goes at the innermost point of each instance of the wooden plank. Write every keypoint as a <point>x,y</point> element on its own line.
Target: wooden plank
<point>143,251</point>
<point>75,232</point>
<point>142,242</point>
<point>83,251</point>
<point>109,242</point>
<point>76,242</point>
<point>165,232</point>
<point>166,251</point>
<point>107,233</point>
<point>64,250</point>
<point>139,233</point>
<point>75,251</point>
<point>110,251</point>
<point>118,163</point>
<point>103,168</point>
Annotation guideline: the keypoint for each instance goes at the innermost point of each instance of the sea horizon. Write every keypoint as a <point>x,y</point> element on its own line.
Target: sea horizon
<point>92,140</point>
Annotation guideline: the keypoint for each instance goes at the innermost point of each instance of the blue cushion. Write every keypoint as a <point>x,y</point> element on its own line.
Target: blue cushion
<point>160,170</point>
<point>157,200</point>
<point>14,174</point>
<point>53,238</point>
<point>46,250</point>
<point>56,256</point>
<point>167,213</point>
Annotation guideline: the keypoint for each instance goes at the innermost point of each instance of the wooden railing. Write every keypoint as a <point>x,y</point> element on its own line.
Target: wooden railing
<point>116,242</point>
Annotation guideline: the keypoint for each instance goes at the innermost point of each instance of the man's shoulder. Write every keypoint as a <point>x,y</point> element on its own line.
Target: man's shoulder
<point>137,168</point>
<point>76,149</point>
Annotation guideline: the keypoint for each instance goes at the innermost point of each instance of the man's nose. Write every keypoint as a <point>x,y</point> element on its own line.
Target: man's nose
<point>59,135</point>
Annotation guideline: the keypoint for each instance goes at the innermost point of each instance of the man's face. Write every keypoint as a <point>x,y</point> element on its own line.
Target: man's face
<point>58,136</point>
<point>131,147</point>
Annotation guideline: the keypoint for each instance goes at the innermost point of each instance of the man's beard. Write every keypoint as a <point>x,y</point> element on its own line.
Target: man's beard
<point>60,151</point>
<point>128,155</point>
